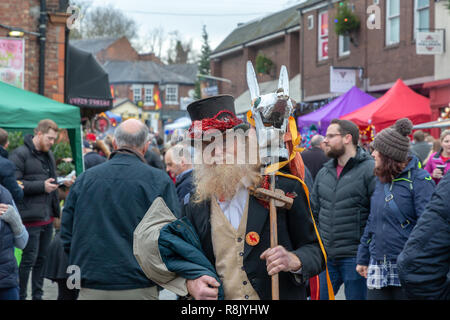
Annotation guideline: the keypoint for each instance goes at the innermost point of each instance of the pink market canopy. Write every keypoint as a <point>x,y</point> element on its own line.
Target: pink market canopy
<point>346,103</point>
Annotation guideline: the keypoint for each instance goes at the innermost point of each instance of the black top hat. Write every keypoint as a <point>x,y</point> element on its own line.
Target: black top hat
<point>219,108</point>
<point>209,107</point>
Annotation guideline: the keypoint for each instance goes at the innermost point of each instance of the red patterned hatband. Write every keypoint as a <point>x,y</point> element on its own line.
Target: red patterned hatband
<point>226,122</point>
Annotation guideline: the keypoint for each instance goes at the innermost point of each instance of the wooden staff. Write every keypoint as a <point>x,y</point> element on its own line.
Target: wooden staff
<point>274,237</point>
<point>276,198</point>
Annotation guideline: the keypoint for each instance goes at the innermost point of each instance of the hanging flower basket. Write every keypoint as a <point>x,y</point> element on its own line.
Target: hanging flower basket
<point>263,64</point>
<point>346,22</point>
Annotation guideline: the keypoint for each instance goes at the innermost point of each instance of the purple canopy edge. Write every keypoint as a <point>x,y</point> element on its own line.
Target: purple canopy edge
<point>344,104</point>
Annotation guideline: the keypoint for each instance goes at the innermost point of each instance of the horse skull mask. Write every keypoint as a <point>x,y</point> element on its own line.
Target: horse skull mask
<point>271,114</point>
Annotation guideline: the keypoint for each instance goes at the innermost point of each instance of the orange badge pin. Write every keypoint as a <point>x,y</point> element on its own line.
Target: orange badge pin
<point>252,238</point>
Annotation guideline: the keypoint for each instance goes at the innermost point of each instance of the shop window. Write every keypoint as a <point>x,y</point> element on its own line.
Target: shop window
<point>171,94</point>
<point>421,16</point>
<point>392,22</point>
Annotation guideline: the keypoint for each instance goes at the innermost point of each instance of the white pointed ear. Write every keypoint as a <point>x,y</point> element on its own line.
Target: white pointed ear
<point>283,82</point>
<point>252,82</point>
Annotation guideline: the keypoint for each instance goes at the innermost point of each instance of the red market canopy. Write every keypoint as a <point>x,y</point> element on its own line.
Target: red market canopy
<point>399,102</point>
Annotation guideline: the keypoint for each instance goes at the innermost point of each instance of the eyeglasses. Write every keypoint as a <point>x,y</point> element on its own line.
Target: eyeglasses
<point>332,135</point>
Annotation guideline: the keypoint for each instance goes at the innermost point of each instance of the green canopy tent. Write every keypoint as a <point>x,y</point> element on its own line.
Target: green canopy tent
<point>22,110</point>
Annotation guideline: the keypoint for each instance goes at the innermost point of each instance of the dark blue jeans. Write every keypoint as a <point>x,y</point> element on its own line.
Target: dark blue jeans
<point>343,271</point>
<point>33,257</point>
<point>9,293</point>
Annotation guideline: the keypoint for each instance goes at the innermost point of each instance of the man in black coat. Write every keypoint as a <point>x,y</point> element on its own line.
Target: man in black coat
<point>315,157</point>
<point>7,169</point>
<point>423,265</point>
<point>154,159</point>
<point>420,148</point>
<point>90,157</point>
<point>233,225</point>
<point>36,169</point>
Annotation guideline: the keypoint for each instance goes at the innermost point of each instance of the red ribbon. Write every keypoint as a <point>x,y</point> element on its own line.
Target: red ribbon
<point>230,121</point>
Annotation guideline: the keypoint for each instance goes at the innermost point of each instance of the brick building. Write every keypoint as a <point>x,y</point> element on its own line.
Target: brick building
<point>137,77</point>
<point>276,37</point>
<point>25,15</point>
<point>383,55</point>
<point>113,48</point>
<point>303,38</point>
<point>440,87</point>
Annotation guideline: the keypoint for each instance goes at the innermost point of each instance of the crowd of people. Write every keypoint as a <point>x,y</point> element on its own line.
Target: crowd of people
<point>140,218</point>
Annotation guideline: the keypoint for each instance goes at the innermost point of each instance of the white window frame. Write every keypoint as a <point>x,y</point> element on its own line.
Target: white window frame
<point>343,53</point>
<point>416,16</point>
<point>148,88</point>
<point>321,38</point>
<point>171,102</point>
<point>389,18</point>
<point>137,92</point>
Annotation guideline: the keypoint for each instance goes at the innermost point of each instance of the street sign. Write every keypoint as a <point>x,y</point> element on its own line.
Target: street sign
<point>342,79</point>
<point>430,42</point>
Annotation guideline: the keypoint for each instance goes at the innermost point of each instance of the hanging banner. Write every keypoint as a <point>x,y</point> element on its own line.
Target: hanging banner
<point>430,42</point>
<point>12,61</point>
<point>341,79</point>
<point>323,35</point>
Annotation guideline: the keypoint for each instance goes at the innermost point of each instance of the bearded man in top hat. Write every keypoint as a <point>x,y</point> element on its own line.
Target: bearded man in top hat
<point>232,224</point>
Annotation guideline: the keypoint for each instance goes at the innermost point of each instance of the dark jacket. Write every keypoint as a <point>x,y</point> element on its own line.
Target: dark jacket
<point>423,265</point>
<point>102,210</point>
<point>341,206</point>
<point>387,231</point>
<point>184,185</point>
<point>295,233</point>
<point>154,160</point>
<point>314,159</point>
<point>421,150</point>
<point>181,251</point>
<point>33,168</point>
<point>91,159</point>
<point>8,176</point>
<point>9,272</point>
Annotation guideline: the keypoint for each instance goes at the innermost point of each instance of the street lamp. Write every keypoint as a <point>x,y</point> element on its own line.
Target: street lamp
<point>15,34</point>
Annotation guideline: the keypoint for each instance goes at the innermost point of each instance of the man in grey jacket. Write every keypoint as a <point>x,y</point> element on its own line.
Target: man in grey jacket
<point>341,203</point>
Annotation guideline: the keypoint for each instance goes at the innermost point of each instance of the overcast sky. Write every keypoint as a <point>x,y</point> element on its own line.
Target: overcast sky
<point>188,16</point>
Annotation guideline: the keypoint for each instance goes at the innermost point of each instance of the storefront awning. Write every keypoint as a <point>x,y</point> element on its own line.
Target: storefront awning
<point>87,82</point>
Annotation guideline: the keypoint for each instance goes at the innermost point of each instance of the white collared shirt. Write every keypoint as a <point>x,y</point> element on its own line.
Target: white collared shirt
<point>234,208</point>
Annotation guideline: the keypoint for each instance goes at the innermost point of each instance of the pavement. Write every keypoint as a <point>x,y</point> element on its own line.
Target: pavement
<point>51,292</point>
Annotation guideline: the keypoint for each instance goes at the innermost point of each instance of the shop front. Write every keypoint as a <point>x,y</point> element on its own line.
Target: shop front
<point>439,101</point>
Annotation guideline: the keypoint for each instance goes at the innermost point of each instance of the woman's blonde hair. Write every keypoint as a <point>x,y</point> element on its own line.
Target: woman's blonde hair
<point>444,134</point>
